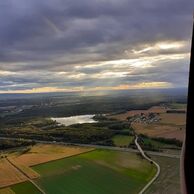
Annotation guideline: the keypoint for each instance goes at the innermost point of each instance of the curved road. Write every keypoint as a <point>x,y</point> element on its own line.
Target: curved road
<point>150,160</point>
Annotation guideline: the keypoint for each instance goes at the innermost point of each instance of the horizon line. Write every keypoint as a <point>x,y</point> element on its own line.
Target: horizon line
<point>82,91</point>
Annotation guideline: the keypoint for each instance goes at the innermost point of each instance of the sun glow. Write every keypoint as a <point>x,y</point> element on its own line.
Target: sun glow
<point>158,46</point>
<point>170,45</point>
<point>5,73</point>
<point>141,85</point>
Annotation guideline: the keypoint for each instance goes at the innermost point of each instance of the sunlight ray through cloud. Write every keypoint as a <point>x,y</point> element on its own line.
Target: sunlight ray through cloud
<point>91,45</point>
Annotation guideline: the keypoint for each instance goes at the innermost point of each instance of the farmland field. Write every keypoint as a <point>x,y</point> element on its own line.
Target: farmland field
<point>182,106</point>
<point>26,120</point>
<point>95,172</point>
<point>155,130</point>
<point>25,188</point>
<point>170,125</point>
<point>41,153</point>
<point>124,116</point>
<point>157,144</point>
<point>122,140</point>
<point>169,179</point>
<point>173,118</point>
<point>24,158</point>
<point>9,175</point>
<point>6,191</point>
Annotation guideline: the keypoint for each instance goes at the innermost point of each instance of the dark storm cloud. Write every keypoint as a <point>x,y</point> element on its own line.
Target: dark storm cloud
<point>53,36</point>
<point>34,30</point>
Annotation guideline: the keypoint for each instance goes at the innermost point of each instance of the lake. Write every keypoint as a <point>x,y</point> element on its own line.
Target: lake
<point>75,119</point>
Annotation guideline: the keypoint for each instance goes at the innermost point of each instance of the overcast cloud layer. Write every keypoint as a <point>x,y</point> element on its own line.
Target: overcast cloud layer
<point>66,45</point>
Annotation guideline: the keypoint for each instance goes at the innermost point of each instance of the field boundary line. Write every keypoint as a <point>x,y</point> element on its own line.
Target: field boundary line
<point>64,157</point>
<point>150,160</point>
<point>28,178</point>
<point>6,186</point>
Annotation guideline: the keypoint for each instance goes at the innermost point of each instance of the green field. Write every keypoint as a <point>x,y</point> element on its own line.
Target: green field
<point>178,105</point>
<point>97,172</point>
<point>122,140</point>
<point>168,181</point>
<point>25,188</point>
<point>154,144</point>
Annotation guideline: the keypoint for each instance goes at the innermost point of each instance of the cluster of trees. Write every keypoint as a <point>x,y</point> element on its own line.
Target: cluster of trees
<point>56,107</point>
<point>7,144</point>
<point>150,143</point>
<point>171,141</point>
<point>94,133</point>
<point>83,134</point>
<point>149,146</point>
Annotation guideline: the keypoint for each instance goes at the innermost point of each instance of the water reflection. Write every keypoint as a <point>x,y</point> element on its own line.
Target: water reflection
<point>75,119</point>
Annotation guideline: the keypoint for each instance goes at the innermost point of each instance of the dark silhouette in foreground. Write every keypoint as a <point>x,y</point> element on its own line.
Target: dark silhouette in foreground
<point>187,159</point>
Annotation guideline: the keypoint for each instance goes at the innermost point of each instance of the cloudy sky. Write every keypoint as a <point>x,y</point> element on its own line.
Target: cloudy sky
<point>66,45</point>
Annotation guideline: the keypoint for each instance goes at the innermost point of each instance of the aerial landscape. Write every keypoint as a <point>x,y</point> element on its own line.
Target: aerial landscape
<point>93,96</point>
<point>95,151</point>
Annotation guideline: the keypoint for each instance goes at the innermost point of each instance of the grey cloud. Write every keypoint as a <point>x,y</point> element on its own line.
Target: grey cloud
<point>88,23</point>
<point>54,36</point>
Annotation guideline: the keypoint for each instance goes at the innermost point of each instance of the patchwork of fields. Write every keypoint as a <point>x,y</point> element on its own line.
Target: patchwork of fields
<point>90,171</point>
<point>42,153</point>
<point>25,158</point>
<point>95,172</point>
<point>80,170</point>
<point>170,125</point>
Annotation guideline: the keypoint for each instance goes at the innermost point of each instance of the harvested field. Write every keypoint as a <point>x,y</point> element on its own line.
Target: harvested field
<point>123,116</point>
<point>43,153</point>
<point>157,109</point>
<point>27,170</point>
<point>158,130</point>
<point>173,118</point>
<point>9,175</point>
<point>171,125</point>
<point>174,134</point>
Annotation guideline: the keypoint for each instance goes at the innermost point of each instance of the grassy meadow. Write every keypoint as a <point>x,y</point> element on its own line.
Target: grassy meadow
<point>122,140</point>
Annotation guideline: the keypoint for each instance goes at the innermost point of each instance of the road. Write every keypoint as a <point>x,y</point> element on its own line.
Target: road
<point>28,178</point>
<point>150,160</point>
<point>95,146</point>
